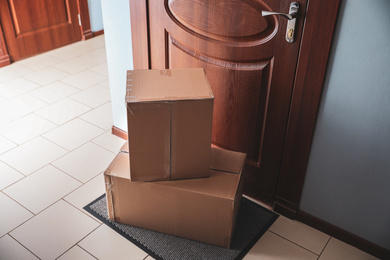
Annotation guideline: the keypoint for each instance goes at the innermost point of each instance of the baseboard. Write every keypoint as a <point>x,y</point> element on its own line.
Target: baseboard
<point>119,132</point>
<point>285,208</point>
<point>97,33</point>
<point>4,61</point>
<point>343,235</point>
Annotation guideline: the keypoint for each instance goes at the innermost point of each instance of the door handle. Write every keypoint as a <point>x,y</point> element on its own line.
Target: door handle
<point>291,17</point>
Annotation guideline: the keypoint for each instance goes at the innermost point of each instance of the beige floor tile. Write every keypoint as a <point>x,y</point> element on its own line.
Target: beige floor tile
<point>56,229</point>
<point>46,75</point>
<point>94,43</point>
<point>26,128</point>
<point>93,96</point>
<point>338,250</point>
<point>5,144</point>
<point>98,55</point>
<point>110,142</point>
<point>272,247</point>
<point>20,106</point>
<point>53,92</point>
<point>301,234</point>
<point>39,62</point>
<point>13,216</point>
<point>100,116</point>
<point>100,68</point>
<point>84,79</point>
<point>13,71</point>
<point>104,243</point>
<point>33,155</point>
<point>73,134</point>
<point>63,111</point>
<point>12,250</point>
<point>42,188</point>
<point>105,83</point>
<point>76,253</point>
<point>75,65</point>
<point>149,258</point>
<point>87,193</point>
<point>70,51</point>
<point>85,162</point>
<point>8,175</point>
<point>16,87</point>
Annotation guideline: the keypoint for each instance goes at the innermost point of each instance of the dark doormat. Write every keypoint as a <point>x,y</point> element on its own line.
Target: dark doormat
<point>252,222</point>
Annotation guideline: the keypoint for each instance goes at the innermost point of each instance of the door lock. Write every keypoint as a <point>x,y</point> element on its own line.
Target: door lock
<point>291,17</point>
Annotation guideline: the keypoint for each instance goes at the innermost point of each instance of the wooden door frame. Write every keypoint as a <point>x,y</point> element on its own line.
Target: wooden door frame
<point>85,28</point>
<point>315,46</point>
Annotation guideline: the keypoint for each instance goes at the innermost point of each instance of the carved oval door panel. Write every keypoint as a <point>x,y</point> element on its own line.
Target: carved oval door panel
<point>250,67</point>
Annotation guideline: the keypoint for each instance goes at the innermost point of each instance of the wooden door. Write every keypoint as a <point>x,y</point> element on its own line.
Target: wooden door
<point>35,26</point>
<point>251,69</point>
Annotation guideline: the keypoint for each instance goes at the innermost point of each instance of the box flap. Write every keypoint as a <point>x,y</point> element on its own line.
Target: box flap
<point>228,161</point>
<point>167,85</point>
<point>120,166</point>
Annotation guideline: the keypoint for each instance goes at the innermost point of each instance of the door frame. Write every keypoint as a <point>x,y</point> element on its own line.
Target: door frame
<point>85,28</point>
<point>309,79</point>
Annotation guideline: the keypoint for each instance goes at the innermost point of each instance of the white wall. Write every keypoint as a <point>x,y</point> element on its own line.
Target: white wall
<point>348,177</point>
<point>95,15</point>
<point>117,31</point>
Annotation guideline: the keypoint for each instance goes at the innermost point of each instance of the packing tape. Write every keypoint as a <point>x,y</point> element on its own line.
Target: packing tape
<point>110,204</point>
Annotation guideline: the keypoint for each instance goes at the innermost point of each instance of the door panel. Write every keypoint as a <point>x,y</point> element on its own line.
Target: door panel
<point>250,67</point>
<point>35,26</point>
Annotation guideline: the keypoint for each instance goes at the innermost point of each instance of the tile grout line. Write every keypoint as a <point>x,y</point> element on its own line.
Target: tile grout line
<point>323,249</point>
<point>23,246</point>
<point>293,242</point>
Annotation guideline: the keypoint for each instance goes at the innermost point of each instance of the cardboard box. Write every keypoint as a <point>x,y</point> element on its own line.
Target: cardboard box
<point>169,115</point>
<point>202,209</point>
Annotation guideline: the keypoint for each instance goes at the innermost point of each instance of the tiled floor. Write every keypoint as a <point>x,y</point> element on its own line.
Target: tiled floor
<point>55,142</point>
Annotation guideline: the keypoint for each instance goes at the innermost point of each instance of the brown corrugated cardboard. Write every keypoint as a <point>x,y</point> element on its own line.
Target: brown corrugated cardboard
<point>169,114</point>
<point>203,209</point>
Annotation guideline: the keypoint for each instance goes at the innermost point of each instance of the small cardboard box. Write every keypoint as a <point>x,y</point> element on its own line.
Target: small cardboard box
<point>203,209</point>
<point>169,116</point>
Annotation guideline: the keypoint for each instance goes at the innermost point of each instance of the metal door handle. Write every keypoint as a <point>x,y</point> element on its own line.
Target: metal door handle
<point>291,16</point>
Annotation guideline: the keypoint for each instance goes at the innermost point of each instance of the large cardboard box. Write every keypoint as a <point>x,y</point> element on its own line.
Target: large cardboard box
<point>169,114</point>
<point>202,209</point>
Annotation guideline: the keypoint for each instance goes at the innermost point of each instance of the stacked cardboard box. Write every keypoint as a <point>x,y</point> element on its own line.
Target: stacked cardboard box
<point>167,178</point>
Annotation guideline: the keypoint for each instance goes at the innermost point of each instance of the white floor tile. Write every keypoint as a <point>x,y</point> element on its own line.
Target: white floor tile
<point>84,79</point>
<point>110,142</point>
<point>85,162</point>
<point>3,120</point>
<point>5,144</point>
<point>15,87</point>
<point>12,250</point>
<point>100,116</point>
<point>338,250</point>
<point>46,75</point>
<point>76,253</point>
<point>98,55</point>
<point>26,128</point>
<point>33,155</point>
<point>13,71</point>
<point>42,188</point>
<point>100,68</point>
<point>70,51</point>
<point>105,84</point>
<point>271,247</point>
<point>301,234</point>
<point>55,230</point>
<point>53,92</point>
<point>20,106</point>
<point>87,193</point>
<point>8,175</point>
<point>39,62</point>
<point>73,134</point>
<point>93,96</point>
<point>63,111</point>
<point>104,243</point>
<point>13,216</point>
<point>75,64</point>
